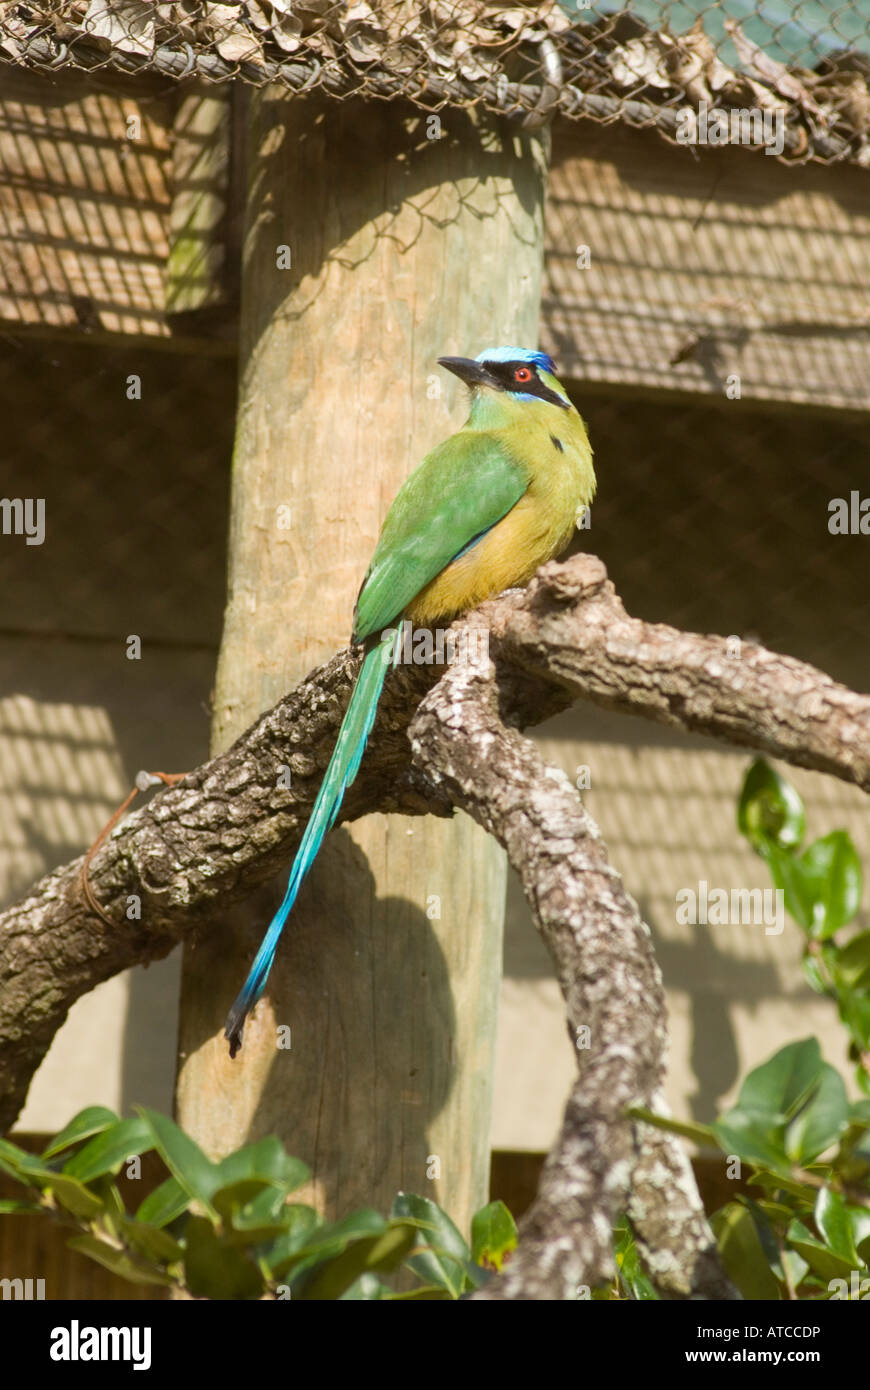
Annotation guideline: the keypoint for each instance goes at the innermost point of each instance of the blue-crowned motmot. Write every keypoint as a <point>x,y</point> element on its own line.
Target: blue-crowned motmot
<point>478,515</point>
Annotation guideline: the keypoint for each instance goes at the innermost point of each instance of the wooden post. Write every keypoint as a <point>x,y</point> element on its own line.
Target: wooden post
<point>371,247</point>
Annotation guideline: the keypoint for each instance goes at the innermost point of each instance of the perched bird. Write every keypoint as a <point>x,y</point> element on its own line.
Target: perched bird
<point>479,515</point>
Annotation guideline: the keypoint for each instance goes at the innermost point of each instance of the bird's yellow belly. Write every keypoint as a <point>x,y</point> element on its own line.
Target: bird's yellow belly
<point>506,556</point>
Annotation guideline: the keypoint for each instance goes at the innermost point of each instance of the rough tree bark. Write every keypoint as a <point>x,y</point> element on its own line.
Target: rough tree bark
<point>214,837</point>
<point>602,951</point>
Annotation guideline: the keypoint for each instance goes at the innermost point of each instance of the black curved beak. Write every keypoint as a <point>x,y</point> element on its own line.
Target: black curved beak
<point>471,372</point>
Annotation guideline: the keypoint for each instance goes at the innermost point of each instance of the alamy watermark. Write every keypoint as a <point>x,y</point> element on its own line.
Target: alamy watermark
<point>24,1289</point>
<point>23,516</point>
<point>717,907</point>
<point>440,646</point>
<point>737,126</point>
<point>77,1343</point>
<point>849,516</point>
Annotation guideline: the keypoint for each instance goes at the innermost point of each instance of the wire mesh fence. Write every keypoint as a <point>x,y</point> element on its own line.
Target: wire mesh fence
<point>790,75</point>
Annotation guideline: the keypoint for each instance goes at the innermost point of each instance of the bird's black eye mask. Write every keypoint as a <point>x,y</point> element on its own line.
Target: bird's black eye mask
<point>522,377</point>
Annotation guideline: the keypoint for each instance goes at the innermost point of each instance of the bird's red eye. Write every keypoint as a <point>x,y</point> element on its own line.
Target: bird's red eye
<point>523,374</point>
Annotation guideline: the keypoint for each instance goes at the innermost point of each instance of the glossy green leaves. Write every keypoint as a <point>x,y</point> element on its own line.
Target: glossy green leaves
<point>231,1229</point>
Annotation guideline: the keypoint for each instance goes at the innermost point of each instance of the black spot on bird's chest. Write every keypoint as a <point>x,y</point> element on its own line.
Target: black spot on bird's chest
<point>557,444</point>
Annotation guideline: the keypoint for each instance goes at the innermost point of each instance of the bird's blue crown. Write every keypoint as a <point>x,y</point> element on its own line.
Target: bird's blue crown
<point>518,354</point>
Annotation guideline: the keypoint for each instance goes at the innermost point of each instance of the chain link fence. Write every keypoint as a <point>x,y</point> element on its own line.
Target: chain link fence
<point>791,75</point>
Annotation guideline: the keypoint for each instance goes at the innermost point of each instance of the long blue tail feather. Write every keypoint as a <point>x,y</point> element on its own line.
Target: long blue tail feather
<point>343,767</point>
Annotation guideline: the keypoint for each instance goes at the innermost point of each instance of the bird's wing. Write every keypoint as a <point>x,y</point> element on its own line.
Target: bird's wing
<point>458,492</point>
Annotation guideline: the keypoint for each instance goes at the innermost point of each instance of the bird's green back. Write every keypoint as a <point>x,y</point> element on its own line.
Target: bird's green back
<point>461,489</point>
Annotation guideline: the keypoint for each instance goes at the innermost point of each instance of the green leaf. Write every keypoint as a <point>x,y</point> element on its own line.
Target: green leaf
<point>753,1138</point>
<point>773,1212</point>
<point>120,1262</point>
<point>855,1013</point>
<point>332,1237</point>
<point>228,1200</point>
<point>114,1211</point>
<point>832,867</point>
<point>852,962</point>
<point>832,1220</point>
<point>383,1253</point>
<point>632,1277</point>
<point>789,1109</point>
<point>19,1163</point>
<point>106,1152</point>
<point>93,1120</point>
<point>493,1236</point>
<point>821,1260</point>
<point>778,1182</point>
<point>69,1192</point>
<point>795,1266</point>
<point>214,1269</point>
<point>852,1162</point>
<point>822,887</point>
<point>253,1209</point>
<point>185,1160</point>
<point>769,810</point>
<point>821,1121</point>
<point>150,1241</point>
<point>31,1170</point>
<point>813,974</point>
<point>782,1084</point>
<point>300,1223</point>
<point>443,1261</point>
<point>799,891</point>
<point>476,1276</point>
<point>75,1196</point>
<point>859,1219</point>
<point>743,1253</point>
<point>164,1204</point>
<point>267,1161</point>
<point>368,1287</point>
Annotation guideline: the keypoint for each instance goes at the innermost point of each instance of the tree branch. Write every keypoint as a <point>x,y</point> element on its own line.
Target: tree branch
<point>231,824</point>
<point>196,848</point>
<point>570,628</point>
<point>602,951</point>
<point>667,1216</point>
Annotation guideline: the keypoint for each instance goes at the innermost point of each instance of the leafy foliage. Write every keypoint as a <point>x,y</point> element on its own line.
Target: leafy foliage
<point>231,1230</point>
<point>821,888</point>
<point>806,1234</point>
